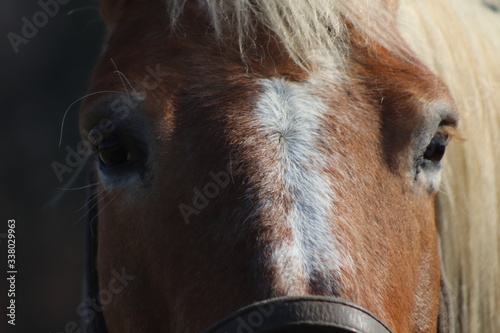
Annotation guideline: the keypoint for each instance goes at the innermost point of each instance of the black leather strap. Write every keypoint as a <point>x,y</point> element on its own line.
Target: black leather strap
<point>301,314</point>
<point>92,320</point>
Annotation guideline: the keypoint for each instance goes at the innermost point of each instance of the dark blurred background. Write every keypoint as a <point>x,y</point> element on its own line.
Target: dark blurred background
<point>50,70</point>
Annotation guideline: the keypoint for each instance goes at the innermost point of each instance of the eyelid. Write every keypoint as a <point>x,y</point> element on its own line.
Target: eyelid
<point>103,131</point>
<point>449,133</point>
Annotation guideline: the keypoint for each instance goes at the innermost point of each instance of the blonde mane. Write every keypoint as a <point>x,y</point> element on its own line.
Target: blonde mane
<point>459,40</point>
<point>307,29</point>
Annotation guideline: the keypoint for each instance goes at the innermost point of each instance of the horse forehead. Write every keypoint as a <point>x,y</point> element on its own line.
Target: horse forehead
<point>274,142</point>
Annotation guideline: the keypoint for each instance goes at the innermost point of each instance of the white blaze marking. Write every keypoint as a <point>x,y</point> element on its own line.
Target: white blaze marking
<point>292,115</point>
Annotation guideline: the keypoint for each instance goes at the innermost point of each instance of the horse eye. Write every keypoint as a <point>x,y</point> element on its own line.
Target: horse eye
<point>112,153</point>
<point>435,150</point>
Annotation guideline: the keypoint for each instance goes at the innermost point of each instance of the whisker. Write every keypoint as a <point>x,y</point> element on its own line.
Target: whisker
<point>77,188</point>
<point>69,182</point>
<point>90,200</point>
<point>92,207</point>
<point>78,100</point>
<point>122,76</point>
<point>106,205</point>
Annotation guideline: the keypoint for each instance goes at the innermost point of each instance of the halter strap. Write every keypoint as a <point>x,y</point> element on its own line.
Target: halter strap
<point>301,314</point>
<point>91,319</point>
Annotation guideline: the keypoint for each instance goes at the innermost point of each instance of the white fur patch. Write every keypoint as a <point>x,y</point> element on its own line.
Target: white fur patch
<point>290,115</point>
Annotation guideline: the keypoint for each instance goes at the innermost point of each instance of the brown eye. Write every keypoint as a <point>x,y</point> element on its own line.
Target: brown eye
<point>435,150</point>
<point>112,153</point>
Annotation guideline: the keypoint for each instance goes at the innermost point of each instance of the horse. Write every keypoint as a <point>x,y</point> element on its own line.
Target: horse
<point>279,163</point>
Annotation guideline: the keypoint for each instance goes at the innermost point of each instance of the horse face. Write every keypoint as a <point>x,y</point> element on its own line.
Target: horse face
<point>224,182</point>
